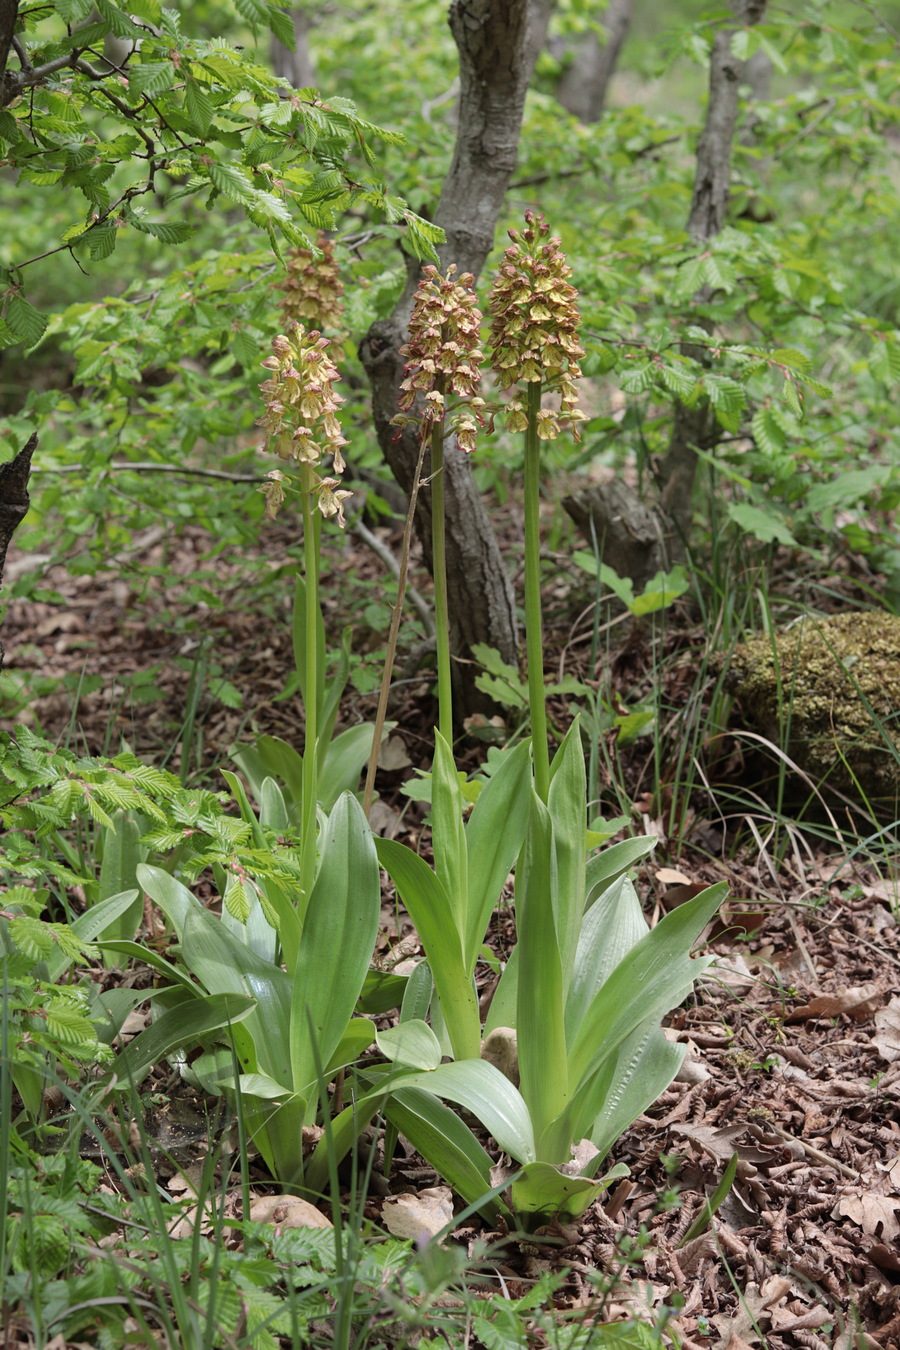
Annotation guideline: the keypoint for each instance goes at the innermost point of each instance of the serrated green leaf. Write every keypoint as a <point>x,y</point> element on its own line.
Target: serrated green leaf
<point>151,77</point>
<point>766,526</point>
<point>24,320</point>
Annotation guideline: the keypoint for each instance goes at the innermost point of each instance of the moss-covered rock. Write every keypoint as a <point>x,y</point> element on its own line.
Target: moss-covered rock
<point>827,691</point>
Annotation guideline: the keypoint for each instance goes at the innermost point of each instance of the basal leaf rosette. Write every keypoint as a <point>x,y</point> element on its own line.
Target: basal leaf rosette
<point>443,358</point>
<point>301,417</point>
<point>534,328</point>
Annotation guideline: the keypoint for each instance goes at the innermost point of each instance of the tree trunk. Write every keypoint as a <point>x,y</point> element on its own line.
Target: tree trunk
<point>584,83</point>
<point>295,66</point>
<point>14,500</point>
<point>498,41</point>
<point>696,428</point>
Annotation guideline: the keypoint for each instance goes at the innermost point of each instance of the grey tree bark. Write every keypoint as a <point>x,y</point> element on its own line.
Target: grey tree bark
<point>694,428</point>
<point>498,41</point>
<point>584,83</point>
<point>14,500</point>
<point>296,66</point>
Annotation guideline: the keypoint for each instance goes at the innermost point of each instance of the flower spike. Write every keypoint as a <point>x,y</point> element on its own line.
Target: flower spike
<point>443,357</point>
<point>534,329</point>
<point>300,419</point>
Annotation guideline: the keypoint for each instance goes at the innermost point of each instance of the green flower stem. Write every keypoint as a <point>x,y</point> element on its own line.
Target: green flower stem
<point>439,567</point>
<point>534,628</point>
<point>311,710</point>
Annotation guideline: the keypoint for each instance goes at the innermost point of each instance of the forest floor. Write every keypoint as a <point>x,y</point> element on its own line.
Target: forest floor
<point>793,1036</point>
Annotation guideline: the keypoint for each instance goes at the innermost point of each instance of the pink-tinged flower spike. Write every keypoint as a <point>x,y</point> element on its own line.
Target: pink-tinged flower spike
<point>442,376</point>
<point>312,292</point>
<point>534,341</point>
<point>301,416</point>
<point>443,358</point>
<point>534,328</point>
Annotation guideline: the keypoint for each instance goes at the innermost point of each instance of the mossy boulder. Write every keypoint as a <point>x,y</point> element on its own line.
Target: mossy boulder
<point>827,691</point>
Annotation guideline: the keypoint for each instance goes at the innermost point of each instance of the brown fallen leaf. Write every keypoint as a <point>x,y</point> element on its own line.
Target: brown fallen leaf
<point>887,1036</point>
<point>877,1215</point>
<point>287,1211</point>
<point>420,1216</point>
<point>859,1002</point>
<point>670,876</point>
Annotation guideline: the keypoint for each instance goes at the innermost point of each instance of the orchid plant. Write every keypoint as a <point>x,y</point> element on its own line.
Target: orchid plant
<point>284,964</point>
<point>572,1050</point>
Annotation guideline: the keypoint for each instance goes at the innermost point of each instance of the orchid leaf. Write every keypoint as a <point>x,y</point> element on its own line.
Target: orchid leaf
<point>339,934</point>
<point>613,862</point>
<point>186,1024</point>
<point>494,836</point>
<point>429,908</point>
<point>649,981</point>
<point>480,1088</point>
<point>566,804</point>
<point>412,1044</point>
<point>440,1136</point>
<point>540,1014</point>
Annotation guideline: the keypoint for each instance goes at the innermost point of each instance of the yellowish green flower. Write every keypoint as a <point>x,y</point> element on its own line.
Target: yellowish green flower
<point>443,358</point>
<point>534,328</point>
<point>300,418</point>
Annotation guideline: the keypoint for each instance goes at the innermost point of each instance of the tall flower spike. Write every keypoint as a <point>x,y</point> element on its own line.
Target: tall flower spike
<point>534,328</point>
<point>312,291</point>
<point>443,357</point>
<point>301,419</point>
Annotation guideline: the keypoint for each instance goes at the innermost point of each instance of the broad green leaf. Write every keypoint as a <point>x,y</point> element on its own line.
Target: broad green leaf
<point>448,834</point>
<point>766,526</point>
<point>175,900</point>
<point>417,994</point>
<point>358,1036</point>
<point>91,925</point>
<point>647,983</point>
<point>225,965</point>
<point>544,1191</point>
<point>412,1044</point>
<point>629,1082</point>
<point>345,758</point>
<point>122,854</point>
<point>503,1011</point>
<point>187,1024</point>
<point>540,1023</point>
<point>494,835</point>
<point>567,804</point>
<point>273,810</point>
<point>338,940</point>
<point>381,992</point>
<point>261,1085</point>
<point>610,929</point>
<point>606,867</point>
<point>449,1146</point>
<point>152,958</point>
<point>429,908</point>
<point>283,763</point>
<point>480,1088</point>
